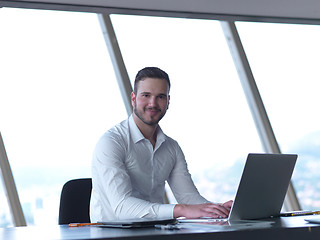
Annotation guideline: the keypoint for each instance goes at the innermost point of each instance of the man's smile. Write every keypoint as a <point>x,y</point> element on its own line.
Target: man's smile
<point>153,111</point>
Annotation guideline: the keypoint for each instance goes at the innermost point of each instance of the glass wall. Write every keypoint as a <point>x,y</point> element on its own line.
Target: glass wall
<point>208,114</point>
<point>5,216</point>
<point>58,95</point>
<point>284,61</point>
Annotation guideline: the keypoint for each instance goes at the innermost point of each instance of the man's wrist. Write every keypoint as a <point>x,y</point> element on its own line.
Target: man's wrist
<point>178,210</point>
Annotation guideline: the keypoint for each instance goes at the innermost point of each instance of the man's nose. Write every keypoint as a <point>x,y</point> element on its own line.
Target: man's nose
<point>152,101</point>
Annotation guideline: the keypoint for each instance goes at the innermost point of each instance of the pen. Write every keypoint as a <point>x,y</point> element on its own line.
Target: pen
<point>313,213</point>
<point>82,224</point>
<point>300,213</point>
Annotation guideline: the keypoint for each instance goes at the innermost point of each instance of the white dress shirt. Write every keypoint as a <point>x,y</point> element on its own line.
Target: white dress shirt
<point>128,175</point>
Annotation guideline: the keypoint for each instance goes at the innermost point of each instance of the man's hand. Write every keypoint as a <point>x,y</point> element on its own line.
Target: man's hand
<point>203,210</point>
<point>228,205</point>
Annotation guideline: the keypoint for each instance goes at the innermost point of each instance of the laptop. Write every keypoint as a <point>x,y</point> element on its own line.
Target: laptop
<point>262,188</point>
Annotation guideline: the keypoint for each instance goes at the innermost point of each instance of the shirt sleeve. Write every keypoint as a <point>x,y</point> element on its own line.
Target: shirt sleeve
<point>112,185</point>
<point>181,183</point>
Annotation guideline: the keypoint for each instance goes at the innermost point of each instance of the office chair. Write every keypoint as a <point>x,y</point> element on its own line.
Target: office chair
<point>75,201</point>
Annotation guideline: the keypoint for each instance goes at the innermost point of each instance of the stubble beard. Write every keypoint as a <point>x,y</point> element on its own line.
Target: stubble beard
<point>151,122</point>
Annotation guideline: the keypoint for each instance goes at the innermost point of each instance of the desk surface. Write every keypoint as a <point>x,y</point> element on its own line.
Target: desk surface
<point>278,228</point>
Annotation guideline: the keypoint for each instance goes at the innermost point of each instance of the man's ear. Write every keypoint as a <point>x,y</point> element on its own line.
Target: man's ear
<point>168,101</point>
<point>133,98</point>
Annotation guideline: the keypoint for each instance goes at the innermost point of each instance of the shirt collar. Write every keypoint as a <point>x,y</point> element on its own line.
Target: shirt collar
<point>138,136</point>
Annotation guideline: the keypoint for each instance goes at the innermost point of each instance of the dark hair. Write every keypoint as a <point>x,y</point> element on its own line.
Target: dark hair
<point>150,72</point>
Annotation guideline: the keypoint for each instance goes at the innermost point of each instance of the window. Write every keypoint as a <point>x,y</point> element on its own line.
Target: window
<point>5,216</point>
<point>283,58</point>
<point>58,95</point>
<point>208,114</point>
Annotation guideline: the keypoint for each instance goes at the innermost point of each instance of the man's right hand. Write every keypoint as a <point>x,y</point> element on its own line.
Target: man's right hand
<point>211,210</point>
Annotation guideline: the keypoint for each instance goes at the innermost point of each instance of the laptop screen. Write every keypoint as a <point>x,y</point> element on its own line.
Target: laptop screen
<point>263,186</point>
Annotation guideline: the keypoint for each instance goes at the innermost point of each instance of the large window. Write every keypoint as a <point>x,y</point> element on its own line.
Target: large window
<point>208,114</point>
<point>284,61</point>
<point>58,95</point>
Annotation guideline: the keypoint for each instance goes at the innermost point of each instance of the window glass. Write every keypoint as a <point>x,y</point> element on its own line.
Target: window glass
<point>284,61</point>
<point>5,215</point>
<point>58,95</point>
<point>208,114</point>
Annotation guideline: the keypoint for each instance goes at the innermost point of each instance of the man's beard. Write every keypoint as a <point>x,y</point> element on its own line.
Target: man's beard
<point>150,123</point>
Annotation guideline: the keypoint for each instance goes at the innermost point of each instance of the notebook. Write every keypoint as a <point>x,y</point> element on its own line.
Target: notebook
<point>262,188</point>
<point>137,223</point>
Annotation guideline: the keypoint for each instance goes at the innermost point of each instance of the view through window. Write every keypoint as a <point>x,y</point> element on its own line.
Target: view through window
<point>283,58</point>
<point>58,95</point>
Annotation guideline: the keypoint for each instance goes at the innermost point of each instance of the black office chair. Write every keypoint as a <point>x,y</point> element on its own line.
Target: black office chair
<point>75,201</point>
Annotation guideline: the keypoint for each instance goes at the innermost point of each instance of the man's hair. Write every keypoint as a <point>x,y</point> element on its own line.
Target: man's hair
<point>150,72</point>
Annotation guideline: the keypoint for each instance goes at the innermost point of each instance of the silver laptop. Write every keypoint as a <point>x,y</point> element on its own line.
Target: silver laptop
<point>262,188</point>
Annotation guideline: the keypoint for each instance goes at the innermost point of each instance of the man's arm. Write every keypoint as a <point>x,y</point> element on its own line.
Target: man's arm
<point>192,204</point>
<point>180,180</point>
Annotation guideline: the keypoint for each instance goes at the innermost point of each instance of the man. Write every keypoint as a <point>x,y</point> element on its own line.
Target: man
<point>133,160</point>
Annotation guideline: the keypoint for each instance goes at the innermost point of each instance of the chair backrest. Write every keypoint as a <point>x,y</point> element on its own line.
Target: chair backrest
<point>75,201</point>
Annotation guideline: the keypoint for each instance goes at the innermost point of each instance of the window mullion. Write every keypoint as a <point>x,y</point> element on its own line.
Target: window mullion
<point>256,105</point>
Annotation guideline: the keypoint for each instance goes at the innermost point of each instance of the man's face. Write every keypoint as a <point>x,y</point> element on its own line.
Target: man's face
<point>151,101</point>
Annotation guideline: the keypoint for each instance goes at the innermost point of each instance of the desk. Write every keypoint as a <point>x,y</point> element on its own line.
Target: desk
<point>282,228</point>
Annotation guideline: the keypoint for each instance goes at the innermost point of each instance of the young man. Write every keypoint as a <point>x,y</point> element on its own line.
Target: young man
<point>133,160</point>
